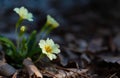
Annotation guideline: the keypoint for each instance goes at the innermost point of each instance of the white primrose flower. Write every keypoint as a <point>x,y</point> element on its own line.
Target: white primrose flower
<point>51,21</point>
<point>24,14</point>
<point>49,48</point>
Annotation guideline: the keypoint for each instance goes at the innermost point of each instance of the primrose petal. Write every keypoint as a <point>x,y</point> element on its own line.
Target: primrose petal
<point>16,10</point>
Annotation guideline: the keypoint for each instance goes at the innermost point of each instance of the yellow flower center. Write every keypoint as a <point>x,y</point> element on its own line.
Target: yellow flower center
<point>48,48</point>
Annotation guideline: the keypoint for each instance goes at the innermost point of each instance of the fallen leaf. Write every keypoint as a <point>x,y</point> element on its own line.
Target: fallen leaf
<point>110,59</point>
<point>71,72</point>
<point>32,69</point>
<point>6,69</point>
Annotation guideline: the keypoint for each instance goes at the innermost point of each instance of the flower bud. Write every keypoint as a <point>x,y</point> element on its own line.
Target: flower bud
<point>22,30</point>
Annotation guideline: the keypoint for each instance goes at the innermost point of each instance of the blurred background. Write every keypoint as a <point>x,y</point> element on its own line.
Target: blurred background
<point>84,13</point>
<point>80,18</point>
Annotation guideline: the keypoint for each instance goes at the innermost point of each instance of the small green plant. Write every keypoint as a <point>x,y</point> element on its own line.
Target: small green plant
<point>29,47</point>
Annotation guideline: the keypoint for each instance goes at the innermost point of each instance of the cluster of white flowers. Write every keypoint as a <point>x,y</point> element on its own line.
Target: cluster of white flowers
<point>48,46</point>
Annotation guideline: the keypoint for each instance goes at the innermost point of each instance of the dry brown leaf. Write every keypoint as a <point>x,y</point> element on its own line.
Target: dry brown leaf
<point>32,69</point>
<point>110,59</point>
<point>6,69</point>
<point>2,56</point>
<point>15,74</point>
<point>2,77</point>
<point>74,73</point>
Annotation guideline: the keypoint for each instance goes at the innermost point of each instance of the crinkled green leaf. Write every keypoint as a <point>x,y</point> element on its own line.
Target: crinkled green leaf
<point>31,43</point>
<point>9,52</point>
<point>6,42</point>
<point>24,47</point>
<point>35,51</point>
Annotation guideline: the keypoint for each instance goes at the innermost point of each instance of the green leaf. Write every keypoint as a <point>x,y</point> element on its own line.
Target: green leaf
<point>24,47</point>
<point>31,43</point>
<point>5,41</point>
<point>9,52</point>
<point>35,51</point>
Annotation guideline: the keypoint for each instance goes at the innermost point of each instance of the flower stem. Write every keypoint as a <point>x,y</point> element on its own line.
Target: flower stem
<point>42,33</point>
<point>17,41</point>
<point>44,28</point>
<point>16,32</point>
<point>41,56</point>
<point>20,20</point>
<point>49,30</point>
<point>45,31</point>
